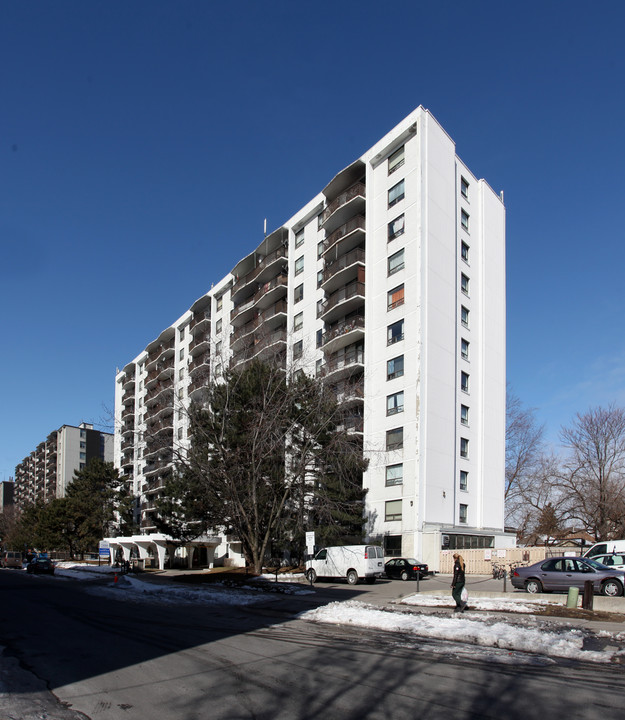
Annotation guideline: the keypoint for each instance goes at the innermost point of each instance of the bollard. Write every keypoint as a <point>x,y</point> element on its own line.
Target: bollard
<point>588,596</point>
<point>571,601</point>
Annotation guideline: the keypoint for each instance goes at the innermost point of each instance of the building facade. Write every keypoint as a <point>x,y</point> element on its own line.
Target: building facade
<point>390,286</point>
<point>49,469</point>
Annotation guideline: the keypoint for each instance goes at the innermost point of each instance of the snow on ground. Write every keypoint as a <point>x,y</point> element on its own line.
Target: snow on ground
<point>512,604</point>
<point>482,631</point>
<point>136,589</point>
<point>522,640</point>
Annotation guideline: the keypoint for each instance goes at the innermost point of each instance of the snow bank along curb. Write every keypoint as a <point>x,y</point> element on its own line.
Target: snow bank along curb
<point>526,635</point>
<point>605,604</point>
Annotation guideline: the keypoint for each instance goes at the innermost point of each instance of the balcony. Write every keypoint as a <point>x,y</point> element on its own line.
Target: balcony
<point>343,333</point>
<point>128,382</point>
<point>162,391</point>
<point>199,318</point>
<point>344,364</point>
<point>271,318</point>
<point>350,392</point>
<point>161,372</point>
<point>160,355</point>
<point>340,271</point>
<point>128,411</point>
<point>352,424</point>
<point>200,361</point>
<point>346,238</point>
<point>262,271</point>
<point>345,206</point>
<point>342,302</point>
<point>199,343</point>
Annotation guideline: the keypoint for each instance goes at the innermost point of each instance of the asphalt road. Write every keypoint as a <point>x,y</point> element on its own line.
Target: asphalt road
<point>112,659</point>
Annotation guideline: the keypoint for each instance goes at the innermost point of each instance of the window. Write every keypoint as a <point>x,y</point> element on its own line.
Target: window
<point>181,334</point>
<point>320,278</point>
<point>464,188</point>
<point>395,403</point>
<point>299,238</point>
<point>396,160</point>
<point>464,316</point>
<point>218,348</point>
<point>464,448</point>
<point>392,546</point>
<point>83,433</point>
<point>395,297</point>
<point>218,325</point>
<point>395,367</point>
<point>464,220</point>
<point>392,510</point>
<point>180,433</point>
<point>395,439</point>
<point>298,321</point>
<point>218,370</point>
<point>181,374</point>
<point>396,228</point>
<point>464,284</point>
<point>320,221</point>
<point>462,515</point>
<point>320,306</point>
<point>464,251</point>
<point>219,303</point>
<point>181,393</point>
<point>394,474</point>
<point>396,262</point>
<point>181,353</point>
<point>83,456</point>
<point>82,465</point>
<point>299,265</point>
<point>319,338</point>
<point>298,293</point>
<point>83,445</point>
<point>464,414</point>
<point>395,332</point>
<point>464,480</point>
<point>298,348</point>
<point>464,381</point>
<point>318,367</point>
<point>319,249</point>
<point>464,349</point>
<point>396,193</point>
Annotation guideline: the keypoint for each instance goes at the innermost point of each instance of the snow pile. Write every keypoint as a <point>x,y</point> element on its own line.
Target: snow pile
<point>460,628</point>
<point>511,605</point>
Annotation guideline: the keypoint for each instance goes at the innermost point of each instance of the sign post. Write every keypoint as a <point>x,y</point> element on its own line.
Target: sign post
<point>310,548</point>
<point>104,551</point>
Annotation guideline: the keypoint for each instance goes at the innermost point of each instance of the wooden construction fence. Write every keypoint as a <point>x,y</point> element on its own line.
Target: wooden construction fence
<point>480,562</point>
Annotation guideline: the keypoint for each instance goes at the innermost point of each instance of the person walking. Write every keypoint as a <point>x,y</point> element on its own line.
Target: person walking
<point>457,583</point>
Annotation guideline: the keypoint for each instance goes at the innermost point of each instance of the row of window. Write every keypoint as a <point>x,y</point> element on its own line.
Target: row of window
<point>393,511</point>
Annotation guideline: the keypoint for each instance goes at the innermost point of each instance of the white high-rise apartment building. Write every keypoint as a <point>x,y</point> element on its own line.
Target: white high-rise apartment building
<point>390,285</point>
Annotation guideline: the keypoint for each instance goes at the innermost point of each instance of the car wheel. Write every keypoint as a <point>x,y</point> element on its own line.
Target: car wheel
<point>404,575</point>
<point>612,588</point>
<point>352,577</point>
<point>311,575</point>
<point>533,586</point>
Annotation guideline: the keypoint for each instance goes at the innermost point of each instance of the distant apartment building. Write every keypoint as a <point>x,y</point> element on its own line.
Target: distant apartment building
<point>7,494</point>
<point>49,469</point>
<point>389,285</point>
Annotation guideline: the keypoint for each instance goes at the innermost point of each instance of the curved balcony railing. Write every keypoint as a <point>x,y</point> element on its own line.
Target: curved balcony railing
<point>356,289</point>
<point>281,252</point>
<point>356,190</point>
<point>357,223</point>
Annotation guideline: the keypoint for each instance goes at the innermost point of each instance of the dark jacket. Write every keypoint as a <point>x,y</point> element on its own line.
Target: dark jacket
<point>458,574</point>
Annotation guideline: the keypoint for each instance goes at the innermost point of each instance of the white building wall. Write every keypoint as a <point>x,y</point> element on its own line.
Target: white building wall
<point>433,203</point>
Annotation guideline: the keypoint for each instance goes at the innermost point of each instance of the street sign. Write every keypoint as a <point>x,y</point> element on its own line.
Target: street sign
<point>310,542</point>
<point>104,548</point>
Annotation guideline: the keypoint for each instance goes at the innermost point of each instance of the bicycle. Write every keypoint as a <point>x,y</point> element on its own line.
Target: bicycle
<point>499,571</point>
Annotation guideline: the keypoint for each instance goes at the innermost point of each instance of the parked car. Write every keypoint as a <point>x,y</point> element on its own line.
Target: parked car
<point>352,562</point>
<point>561,573</point>
<point>40,565</point>
<point>11,559</point>
<point>605,547</point>
<point>612,560</point>
<point>405,569</point>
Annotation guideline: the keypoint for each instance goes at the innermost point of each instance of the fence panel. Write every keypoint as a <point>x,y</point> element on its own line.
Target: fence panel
<point>480,562</point>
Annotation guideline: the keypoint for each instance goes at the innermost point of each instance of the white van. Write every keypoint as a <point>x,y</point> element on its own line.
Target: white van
<point>352,562</point>
<point>605,547</point>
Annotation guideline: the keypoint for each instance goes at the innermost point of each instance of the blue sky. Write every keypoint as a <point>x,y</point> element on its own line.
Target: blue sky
<point>142,144</point>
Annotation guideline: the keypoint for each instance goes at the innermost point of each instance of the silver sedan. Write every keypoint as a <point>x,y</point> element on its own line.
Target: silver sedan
<point>561,573</point>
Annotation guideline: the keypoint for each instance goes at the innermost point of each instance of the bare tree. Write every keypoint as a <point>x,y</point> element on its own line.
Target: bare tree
<point>268,459</point>
<point>525,465</point>
<point>593,480</point>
